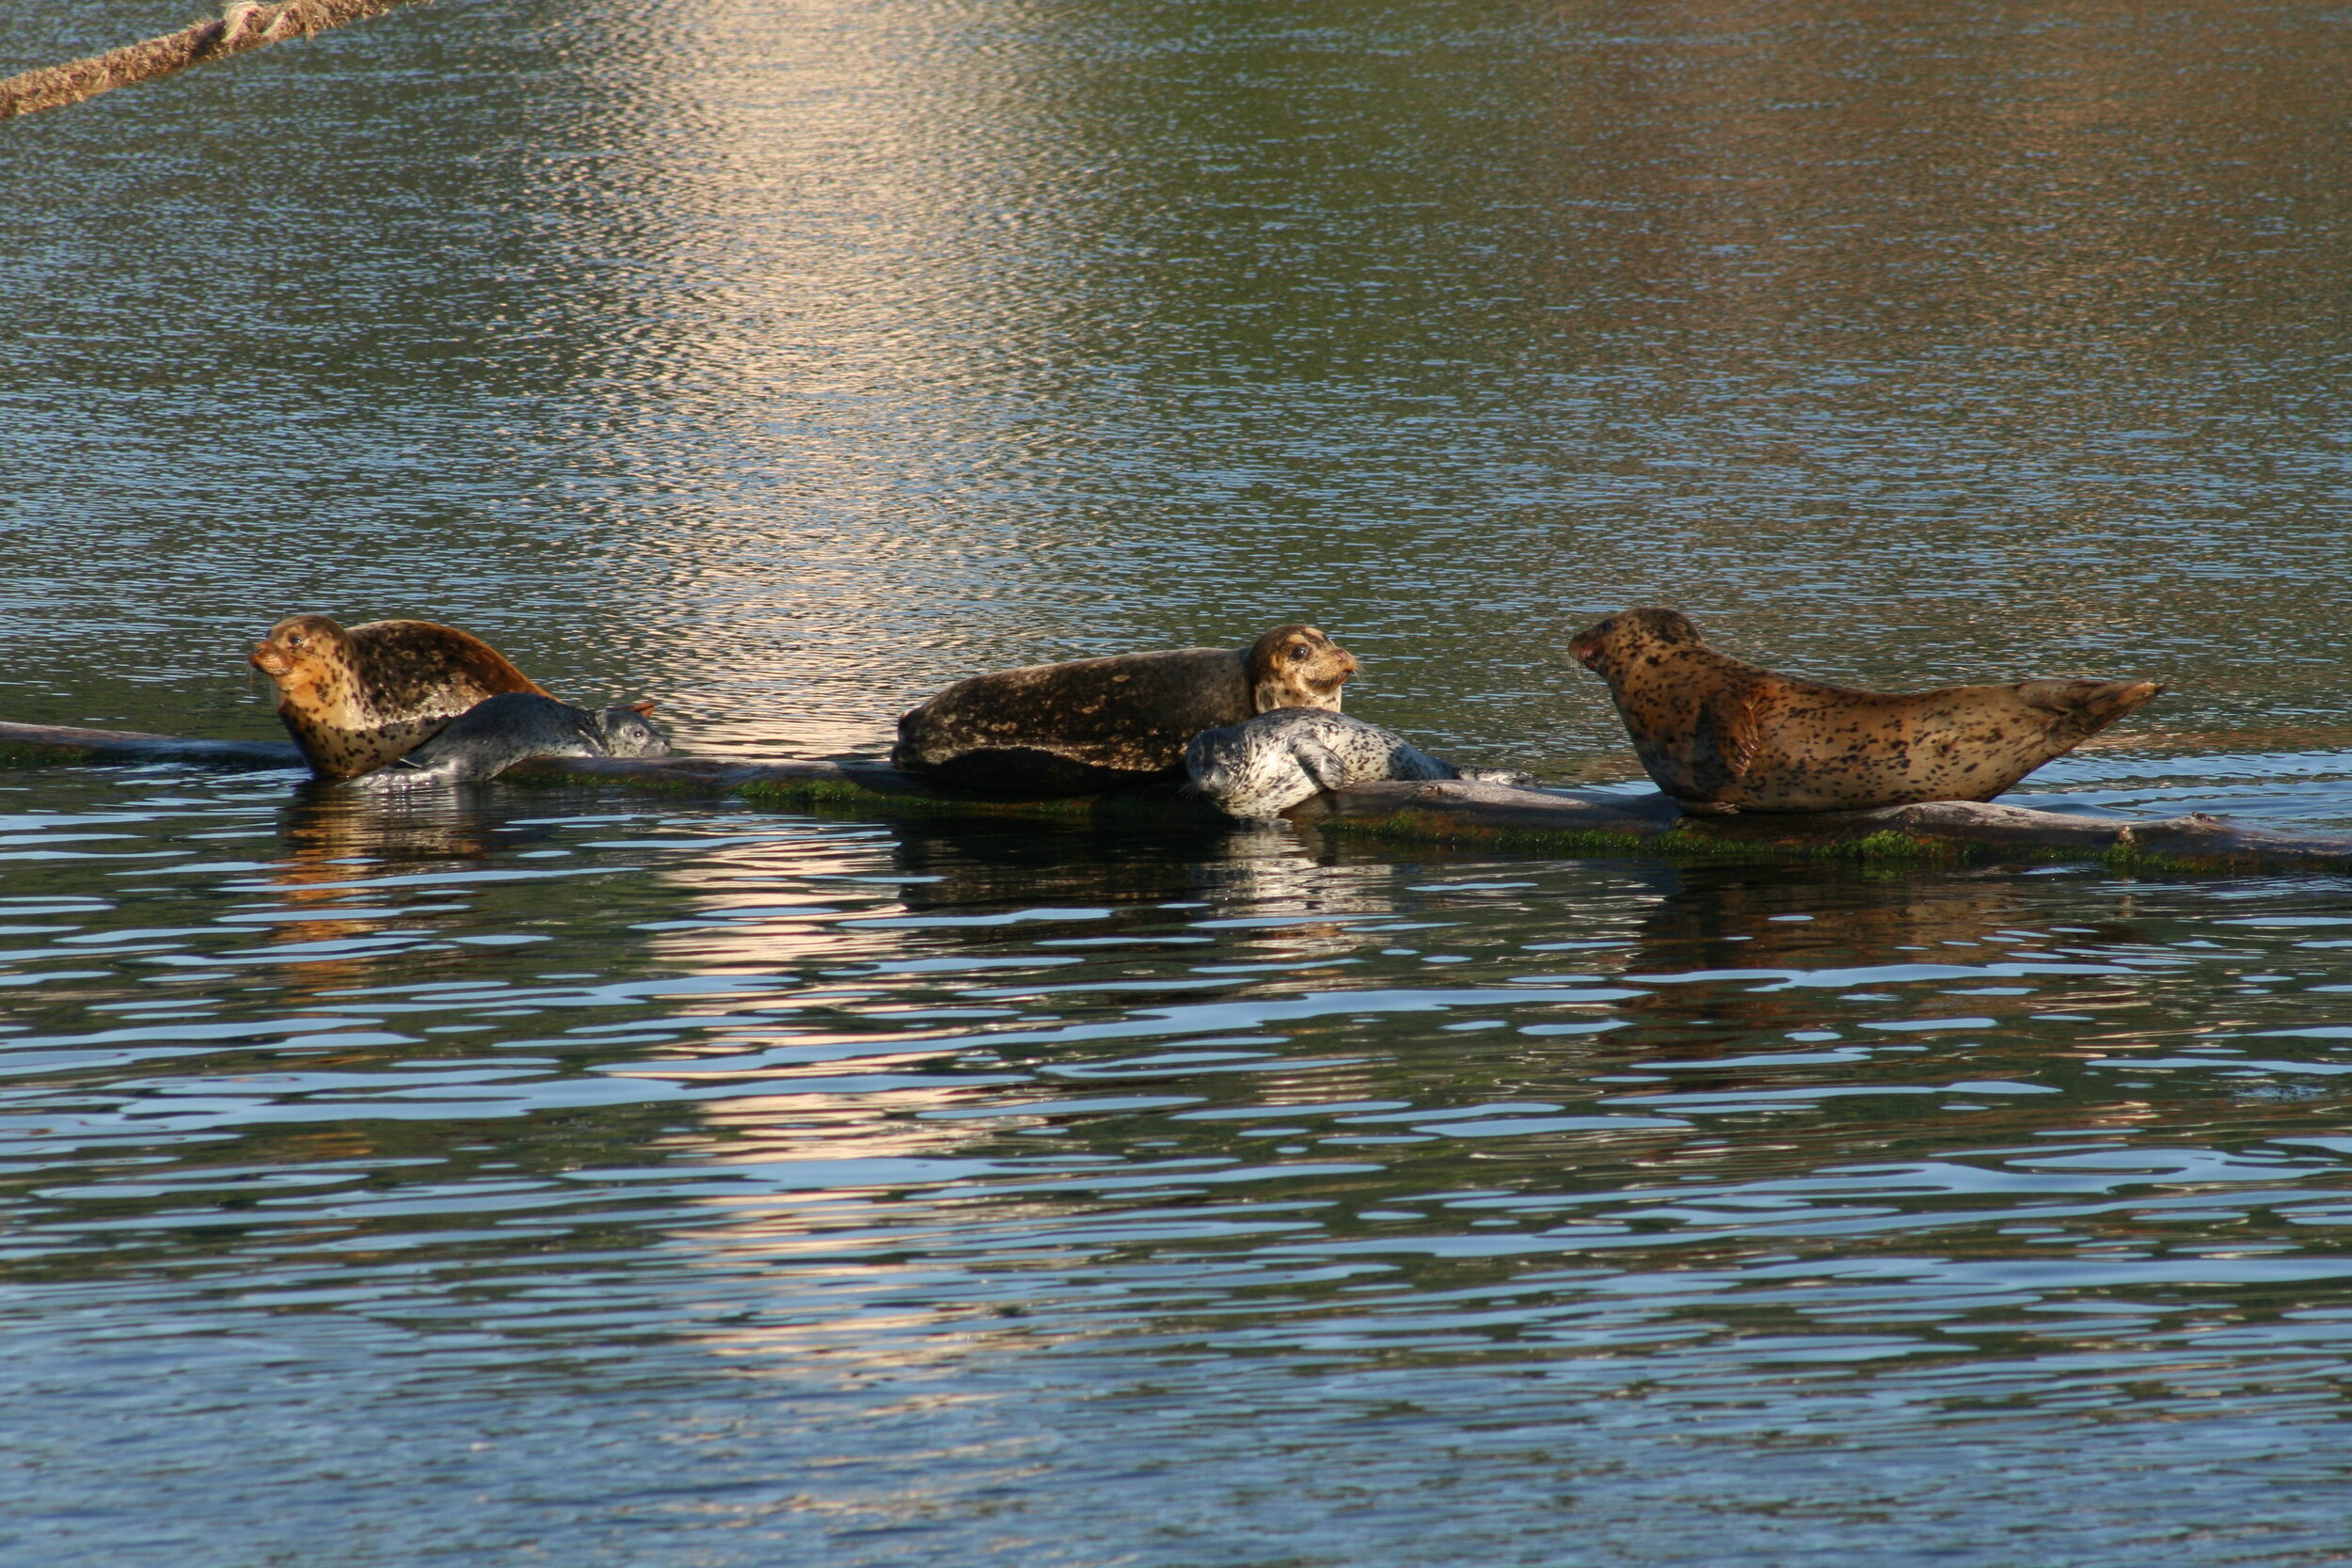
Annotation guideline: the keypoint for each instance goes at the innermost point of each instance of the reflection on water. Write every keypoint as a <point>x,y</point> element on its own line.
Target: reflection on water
<point>647,1183</point>
<point>561,1169</point>
<point>786,363</point>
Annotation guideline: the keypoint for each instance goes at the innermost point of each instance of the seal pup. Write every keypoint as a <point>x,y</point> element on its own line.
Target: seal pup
<point>1106,723</point>
<point>1263,765</point>
<point>1722,736</point>
<point>356,698</point>
<point>493,735</point>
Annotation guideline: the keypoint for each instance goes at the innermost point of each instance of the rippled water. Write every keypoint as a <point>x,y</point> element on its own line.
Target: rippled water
<point>613,1178</point>
<point>647,1184</point>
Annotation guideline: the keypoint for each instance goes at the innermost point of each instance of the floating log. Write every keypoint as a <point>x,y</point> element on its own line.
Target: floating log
<point>65,745</point>
<point>1431,812</point>
<point>1939,832</point>
<point>243,24</point>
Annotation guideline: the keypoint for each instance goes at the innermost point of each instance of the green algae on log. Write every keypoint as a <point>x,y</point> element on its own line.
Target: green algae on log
<point>1429,812</point>
<point>1939,832</point>
<point>855,785</point>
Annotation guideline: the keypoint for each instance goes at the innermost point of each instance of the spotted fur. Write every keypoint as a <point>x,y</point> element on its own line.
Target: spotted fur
<point>1103,724</point>
<point>353,699</point>
<point>1263,766</point>
<point>493,735</point>
<point>1721,737</point>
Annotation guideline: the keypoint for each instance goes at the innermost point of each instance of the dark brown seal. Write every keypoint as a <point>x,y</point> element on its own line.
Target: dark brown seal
<point>1105,724</point>
<point>355,699</point>
<point>1722,736</point>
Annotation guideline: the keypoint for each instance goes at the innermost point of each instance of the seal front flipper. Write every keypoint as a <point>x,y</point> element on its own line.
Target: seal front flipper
<point>1320,764</point>
<point>1732,720</point>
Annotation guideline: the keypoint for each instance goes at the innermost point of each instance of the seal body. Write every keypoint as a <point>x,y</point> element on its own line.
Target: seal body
<point>356,698</point>
<point>1263,766</point>
<point>1720,736</point>
<point>493,735</point>
<point>1108,723</point>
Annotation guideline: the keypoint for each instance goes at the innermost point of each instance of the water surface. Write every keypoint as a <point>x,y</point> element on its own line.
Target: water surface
<point>622,1179</point>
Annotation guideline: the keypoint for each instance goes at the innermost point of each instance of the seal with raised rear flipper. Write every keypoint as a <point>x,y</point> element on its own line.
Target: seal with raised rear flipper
<point>1720,736</point>
<point>493,735</point>
<point>356,698</point>
<point>1263,766</point>
<point>1099,725</point>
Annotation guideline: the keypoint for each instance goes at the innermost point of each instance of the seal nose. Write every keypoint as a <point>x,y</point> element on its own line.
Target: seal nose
<point>1585,647</point>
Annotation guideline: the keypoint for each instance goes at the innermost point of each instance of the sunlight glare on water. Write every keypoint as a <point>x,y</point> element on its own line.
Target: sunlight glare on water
<point>623,1179</point>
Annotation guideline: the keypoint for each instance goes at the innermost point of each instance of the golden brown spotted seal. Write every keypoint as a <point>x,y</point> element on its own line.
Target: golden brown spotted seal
<point>1105,724</point>
<point>1720,736</point>
<point>355,699</point>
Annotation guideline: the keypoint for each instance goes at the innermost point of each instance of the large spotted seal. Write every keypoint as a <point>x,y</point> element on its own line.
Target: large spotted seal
<point>1720,736</point>
<point>493,735</point>
<point>1105,724</point>
<point>1263,765</point>
<point>356,698</point>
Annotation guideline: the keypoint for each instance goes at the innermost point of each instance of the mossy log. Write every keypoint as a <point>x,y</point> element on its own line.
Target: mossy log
<point>1939,832</point>
<point>66,745</point>
<point>1446,812</point>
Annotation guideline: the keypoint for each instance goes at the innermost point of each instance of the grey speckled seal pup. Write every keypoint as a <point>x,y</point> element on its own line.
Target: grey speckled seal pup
<point>1266,765</point>
<point>492,737</point>
<point>1722,736</point>
<point>356,698</point>
<point>1108,723</point>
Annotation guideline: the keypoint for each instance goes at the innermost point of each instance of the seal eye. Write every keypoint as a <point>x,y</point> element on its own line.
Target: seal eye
<point>294,642</point>
<point>1299,651</point>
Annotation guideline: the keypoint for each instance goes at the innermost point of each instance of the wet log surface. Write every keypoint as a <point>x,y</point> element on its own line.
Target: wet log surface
<point>64,745</point>
<point>1459,811</point>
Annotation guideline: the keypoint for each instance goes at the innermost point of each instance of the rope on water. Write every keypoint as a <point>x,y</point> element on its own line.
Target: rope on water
<point>240,26</point>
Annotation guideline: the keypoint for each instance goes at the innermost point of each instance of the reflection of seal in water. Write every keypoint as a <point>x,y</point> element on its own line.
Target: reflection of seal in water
<point>1720,736</point>
<point>356,699</point>
<point>1102,724</point>
<point>493,735</point>
<point>1277,759</point>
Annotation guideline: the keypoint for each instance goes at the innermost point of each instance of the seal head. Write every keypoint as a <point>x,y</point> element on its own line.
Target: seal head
<point>1099,725</point>
<point>1297,666</point>
<point>1720,736</point>
<point>356,698</point>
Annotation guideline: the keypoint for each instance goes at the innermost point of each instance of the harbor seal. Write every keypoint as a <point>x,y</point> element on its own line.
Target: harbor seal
<point>1722,736</point>
<point>1108,723</point>
<point>355,699</point>
<point>1263,765</point>
<point>493,735</point>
